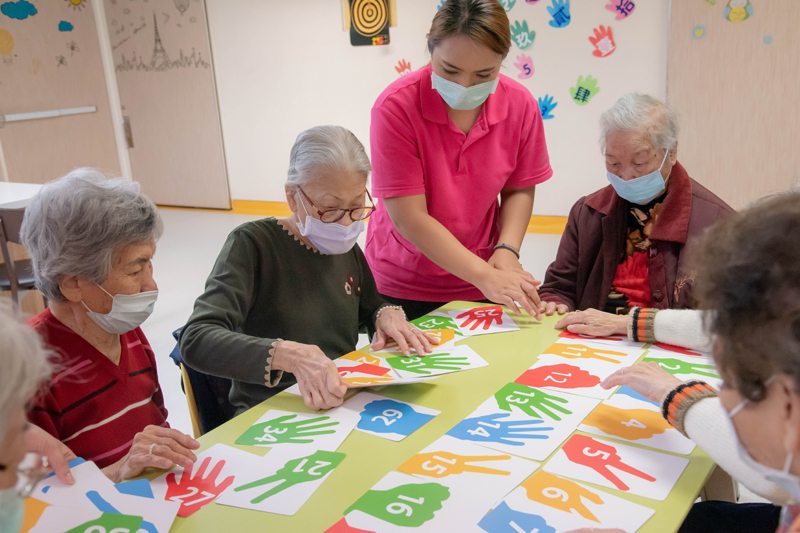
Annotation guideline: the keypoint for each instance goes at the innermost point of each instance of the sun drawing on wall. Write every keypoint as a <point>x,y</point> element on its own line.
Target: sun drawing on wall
<point>76,4</point>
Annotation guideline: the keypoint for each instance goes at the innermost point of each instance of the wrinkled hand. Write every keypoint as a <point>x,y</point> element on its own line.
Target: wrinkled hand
<point>317,376</point>
<point>648,379</point>
<point>676,366</point>
<point>206,488</point>
<point>530,401</point>
<point>443,464</point>
<point>510,286</point>
<point>57,453</point>
<point>286,429</point>
<point>392,323</point>
<point>548,308</point>
<point>171,447</point>
<point>595,323</point>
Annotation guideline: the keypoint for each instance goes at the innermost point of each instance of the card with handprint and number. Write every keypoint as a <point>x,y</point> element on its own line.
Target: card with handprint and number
<point>469,467</point>
<point>215,471</point>
<point>57,519</point>
<point>282,480</point>
<point>444,339</point>
<point>550,504</point>
<point>524,421</point>
<point>611,340</point>
<point>456,359</point>
<point>438,320</point>
<point>636,420</point>
<point>282,429</point>
<point>387,417</point>
<point>483,320</point>
<point>617,466</point>
<point>687,368</point>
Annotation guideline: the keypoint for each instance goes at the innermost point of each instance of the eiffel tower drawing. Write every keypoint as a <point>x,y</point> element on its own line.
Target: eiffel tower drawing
<point>160,59</point>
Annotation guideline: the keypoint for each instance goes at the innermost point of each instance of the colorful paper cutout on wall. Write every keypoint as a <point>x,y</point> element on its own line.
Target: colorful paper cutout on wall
<point>369,22</point>
<point>525,65</point>
<point>483,320</point>
<point>768,39</point>
<point>553,504</point>
<point>6,45</point>
<point>507,4</point>
<point>738,10</point>
<point>76,4</point>
<point>698,32</point>
<point>560,14</point>
<point>65,26</point>
<point>623,8</point>
<point>19,10</point>
<point>584,90</point>
<point>603,41</point>
<point>403,67</point>
<point>386,417</point>
<point>617,466</point>
<point>546,106</point>
<point>521,35</point>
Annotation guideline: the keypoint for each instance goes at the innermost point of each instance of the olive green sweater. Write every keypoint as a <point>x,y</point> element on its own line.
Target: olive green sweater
<point>267,285</point>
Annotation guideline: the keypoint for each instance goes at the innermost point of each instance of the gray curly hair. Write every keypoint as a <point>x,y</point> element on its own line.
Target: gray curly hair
<point>325,148</point>
<point>641,113</point>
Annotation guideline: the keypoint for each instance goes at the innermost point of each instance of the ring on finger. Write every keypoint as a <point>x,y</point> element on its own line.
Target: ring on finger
<point>151,448</point>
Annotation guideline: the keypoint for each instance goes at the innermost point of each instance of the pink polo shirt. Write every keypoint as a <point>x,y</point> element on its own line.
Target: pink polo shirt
<point>416,149</point>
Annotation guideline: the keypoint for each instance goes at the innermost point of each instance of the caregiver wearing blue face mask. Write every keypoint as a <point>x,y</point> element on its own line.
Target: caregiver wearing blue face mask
<point>288,295</point>
<point>627,244</point>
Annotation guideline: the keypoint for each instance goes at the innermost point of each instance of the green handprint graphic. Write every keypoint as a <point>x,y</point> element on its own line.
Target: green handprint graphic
<point>530,401</point>
<point>424,365</point>
<point>110,522</point>
<point>676,366</point>
<point>521,35</point>
<point>406,506</point>
<point>280,431</point>
<point>584,90</point>
<point>301,470</point>
<point>428,322</point>
<point>508,4</point>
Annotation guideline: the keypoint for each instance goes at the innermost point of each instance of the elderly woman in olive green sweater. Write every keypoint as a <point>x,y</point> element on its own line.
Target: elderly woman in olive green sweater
<point>303,279</point>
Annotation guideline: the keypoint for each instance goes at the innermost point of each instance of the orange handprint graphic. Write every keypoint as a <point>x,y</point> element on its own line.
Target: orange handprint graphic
<point>560,493</point>
<point>601,458</point>
<point>580,351</point>
<point>630,424</point>
<point>440,335</point>
<point>368,381</point>
<point>360,357</point>
<point>443,464</point>
<point>403,67</point>
<point>603,41</point>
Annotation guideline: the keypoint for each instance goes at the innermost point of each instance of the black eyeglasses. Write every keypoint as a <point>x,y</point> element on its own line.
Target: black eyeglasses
<point>335,215</point>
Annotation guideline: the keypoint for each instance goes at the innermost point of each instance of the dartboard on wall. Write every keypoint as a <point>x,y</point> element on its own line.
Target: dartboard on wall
<point>369,22</point>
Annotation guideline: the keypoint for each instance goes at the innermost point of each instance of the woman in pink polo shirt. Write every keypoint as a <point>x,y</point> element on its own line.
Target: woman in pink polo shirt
<point>447,140</point>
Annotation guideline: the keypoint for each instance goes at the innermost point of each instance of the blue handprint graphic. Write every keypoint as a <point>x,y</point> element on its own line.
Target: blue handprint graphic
<point>504,519</point>
<point>560,14</point>
<point>486,428</point>
<point>389,416</point>
<point>546,106</point>
<point>105,507</point>
<point>627,391</point>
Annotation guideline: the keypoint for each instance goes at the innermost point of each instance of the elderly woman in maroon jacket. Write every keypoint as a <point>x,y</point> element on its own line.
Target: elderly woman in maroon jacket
<point>627,244</point>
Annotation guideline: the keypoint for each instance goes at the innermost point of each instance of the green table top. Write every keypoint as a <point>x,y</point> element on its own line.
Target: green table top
<point>369,458</point>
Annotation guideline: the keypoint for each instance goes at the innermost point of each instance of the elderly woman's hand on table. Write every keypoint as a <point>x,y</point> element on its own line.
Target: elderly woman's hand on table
<point>317,376</point>
<point>648,379</point>
<point>549,308</point>
<point>594,322</point>
<point>392,323</point>
<point>154,447</point>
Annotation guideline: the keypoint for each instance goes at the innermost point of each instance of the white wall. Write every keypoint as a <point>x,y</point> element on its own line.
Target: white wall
<point>282,67</point>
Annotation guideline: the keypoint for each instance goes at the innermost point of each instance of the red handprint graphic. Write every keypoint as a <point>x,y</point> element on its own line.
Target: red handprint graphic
<point>677,349</point>
<point>482,315</point>
<point>603,41</point>
<point>372,370</point>
<point>343,527</point>
<point>600,457</point>
<point>560,376</point>
<point>190,486</point>
<point>403,67</point>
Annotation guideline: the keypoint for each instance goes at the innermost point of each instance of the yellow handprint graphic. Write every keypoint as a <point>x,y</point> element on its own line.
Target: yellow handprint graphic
<point>560,494</point>
<point>443,464</point>
<point>629,424</point>
<point>580,351</point>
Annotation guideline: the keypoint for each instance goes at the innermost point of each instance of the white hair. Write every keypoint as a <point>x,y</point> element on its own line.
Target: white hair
<point>643,114</point>
<point>325,148</point>
<point>24,364</point>
<point>75,223</point>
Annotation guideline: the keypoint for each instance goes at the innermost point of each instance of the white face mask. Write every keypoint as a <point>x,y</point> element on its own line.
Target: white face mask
<point>330,239</point>
<point>12,511</point>
<point>781,478</point>
<point>460,97</point>
<point>128,311</point>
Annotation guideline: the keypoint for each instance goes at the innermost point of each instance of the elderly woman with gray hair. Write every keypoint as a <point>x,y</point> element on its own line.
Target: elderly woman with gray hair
<point>91,241</point>
<point>303,279</point>
<point>627,244</point>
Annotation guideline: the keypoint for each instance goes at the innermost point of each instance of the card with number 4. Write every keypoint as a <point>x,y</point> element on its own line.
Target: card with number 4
<point>550,504</point>
<point>387,417</point>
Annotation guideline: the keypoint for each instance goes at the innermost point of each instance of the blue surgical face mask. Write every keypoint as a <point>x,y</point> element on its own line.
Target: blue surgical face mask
<point>12,511</point>
<point>463,98</point>
<point>640,190</point>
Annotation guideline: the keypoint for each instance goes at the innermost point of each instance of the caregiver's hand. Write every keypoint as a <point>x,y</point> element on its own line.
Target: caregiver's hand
<point>392,323</point>
<point>320,383</point>
<point>548,308</point>
<point>507,287</point>
<point>648,379</point>
<point>57,453</point>
<point>155,447</point>
<point>595,323</point>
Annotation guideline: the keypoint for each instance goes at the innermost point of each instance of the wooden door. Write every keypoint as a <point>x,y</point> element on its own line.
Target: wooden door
<point>50,60</point>
<point>169,103</point>
<point>735,86</point>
